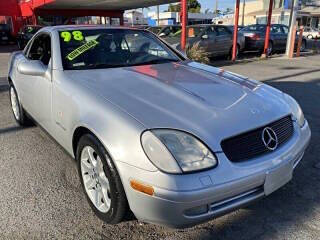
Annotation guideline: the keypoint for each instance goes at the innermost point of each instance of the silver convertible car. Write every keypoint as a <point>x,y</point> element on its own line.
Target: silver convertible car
<point>176,142</point>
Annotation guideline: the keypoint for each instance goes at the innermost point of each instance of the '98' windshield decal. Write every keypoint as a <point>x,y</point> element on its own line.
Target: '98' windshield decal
<point>67,36</point>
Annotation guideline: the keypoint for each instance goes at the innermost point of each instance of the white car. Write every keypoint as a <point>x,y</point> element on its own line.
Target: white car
<point>311,33</point>
<point>176,142</point>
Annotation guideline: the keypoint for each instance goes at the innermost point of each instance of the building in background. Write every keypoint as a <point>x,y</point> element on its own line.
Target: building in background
<point>309,15</point>
<point>134,18</point>
<point>172,18</point>
<point>56,12</point>
<point>256,11</point>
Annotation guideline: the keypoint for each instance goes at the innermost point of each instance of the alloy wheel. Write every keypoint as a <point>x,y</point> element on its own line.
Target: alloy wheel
<point>94,179</point>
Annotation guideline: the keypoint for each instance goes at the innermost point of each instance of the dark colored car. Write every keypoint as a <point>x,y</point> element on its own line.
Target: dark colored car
<point>25,34</point>
<point>170,34</point>
<point>255,38</point>
<point>231,27</point>
<point>5,35</point>
<point>155,30</point>
<point>216,40</point>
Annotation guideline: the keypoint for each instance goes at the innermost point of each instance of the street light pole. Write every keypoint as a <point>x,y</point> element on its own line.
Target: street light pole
<point>158,13</point>
<point>216,12</point>
<point>291,35</point>
<point>243,11</point>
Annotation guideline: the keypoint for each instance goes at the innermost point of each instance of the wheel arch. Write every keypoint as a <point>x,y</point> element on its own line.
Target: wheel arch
<point>77,134</point>
<point>82,130</point>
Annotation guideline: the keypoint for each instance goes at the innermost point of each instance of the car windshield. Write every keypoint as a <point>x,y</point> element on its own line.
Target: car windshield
<point>111,48</point>
<point>155,30</point>
<point>254,28</point>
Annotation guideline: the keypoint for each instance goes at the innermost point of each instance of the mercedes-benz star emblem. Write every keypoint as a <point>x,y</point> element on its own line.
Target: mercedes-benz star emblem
<point>270,139</point>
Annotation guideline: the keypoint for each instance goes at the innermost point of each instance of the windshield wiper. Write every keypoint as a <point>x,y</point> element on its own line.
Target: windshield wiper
<point>155,61</point>
<point>103,65</point>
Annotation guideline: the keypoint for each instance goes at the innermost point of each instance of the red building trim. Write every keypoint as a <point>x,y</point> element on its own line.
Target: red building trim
<point>26,12</point>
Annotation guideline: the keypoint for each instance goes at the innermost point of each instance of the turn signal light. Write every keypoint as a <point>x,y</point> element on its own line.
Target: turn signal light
<point>140,187</point>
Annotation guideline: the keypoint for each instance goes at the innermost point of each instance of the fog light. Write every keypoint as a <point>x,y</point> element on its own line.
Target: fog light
<point>197,211</point>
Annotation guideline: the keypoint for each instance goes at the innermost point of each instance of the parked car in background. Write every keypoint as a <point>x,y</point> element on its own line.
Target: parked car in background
<point>5,34</point>
<point>177,142</point>
<point>155,29</point>
<point>255,38</point>
<point>311,33</point>
<point>171,33</point>
<point>231,27</point>
<point>25,34</point>
<point>216,40</point>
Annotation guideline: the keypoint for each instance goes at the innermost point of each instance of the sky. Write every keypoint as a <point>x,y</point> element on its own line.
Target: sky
<point>222,4</point>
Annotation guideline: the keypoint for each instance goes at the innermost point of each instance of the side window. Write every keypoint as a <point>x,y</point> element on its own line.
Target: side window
<point>211,32</point>
<point>41,49</point>
<point>276,29</point>
<point>221,31</point>
<point>285,30</point>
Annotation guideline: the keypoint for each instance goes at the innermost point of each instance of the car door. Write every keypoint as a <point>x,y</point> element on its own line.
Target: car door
<point>278,37</point>
<point>223,40</point>
<point>37,89</point>
<point>207,41</point>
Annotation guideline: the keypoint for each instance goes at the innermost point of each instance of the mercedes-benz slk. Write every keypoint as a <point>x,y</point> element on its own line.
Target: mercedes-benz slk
<point>175,141</point>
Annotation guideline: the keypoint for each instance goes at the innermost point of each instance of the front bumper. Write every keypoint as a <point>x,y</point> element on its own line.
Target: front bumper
<point>185,208</point>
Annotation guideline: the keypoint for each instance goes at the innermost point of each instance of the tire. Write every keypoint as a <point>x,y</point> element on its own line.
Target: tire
<point>231,50</point>
<point>17,109</point>
<point>98,173</point>
<point>303,46</point>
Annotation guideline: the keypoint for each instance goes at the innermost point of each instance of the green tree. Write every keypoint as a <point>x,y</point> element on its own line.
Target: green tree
<point>193,6</point>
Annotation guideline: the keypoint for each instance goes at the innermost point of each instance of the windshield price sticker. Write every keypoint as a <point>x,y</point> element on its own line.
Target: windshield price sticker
<point>80,50</point>
<point>67,36</point>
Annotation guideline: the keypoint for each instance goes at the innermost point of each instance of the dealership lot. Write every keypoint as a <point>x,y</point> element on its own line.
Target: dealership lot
<point>40,194</point>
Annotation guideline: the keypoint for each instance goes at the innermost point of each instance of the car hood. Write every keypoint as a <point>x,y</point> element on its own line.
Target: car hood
<point>205,101</point>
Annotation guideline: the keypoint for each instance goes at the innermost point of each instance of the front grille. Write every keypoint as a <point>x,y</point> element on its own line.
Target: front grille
<point>249,145</point>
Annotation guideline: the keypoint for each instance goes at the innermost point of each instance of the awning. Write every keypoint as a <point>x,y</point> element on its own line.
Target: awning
<point>103,4</point>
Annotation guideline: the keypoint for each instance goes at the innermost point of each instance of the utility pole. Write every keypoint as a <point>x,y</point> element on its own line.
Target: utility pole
<point>243,11</point>
<point>217,3</point>
<point>291,35</point>
<point>158,15</point>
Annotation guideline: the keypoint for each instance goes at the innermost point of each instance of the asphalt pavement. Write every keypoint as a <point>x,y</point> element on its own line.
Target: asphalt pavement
<point>41,198</point>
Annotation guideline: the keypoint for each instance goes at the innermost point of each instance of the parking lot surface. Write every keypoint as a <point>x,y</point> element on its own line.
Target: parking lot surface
<point>41,198</point>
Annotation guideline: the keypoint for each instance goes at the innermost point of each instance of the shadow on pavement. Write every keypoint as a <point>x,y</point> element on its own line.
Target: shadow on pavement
<point>11,129</point>
<point>292,208</point>
<point>8,48</point>
<point>4,88</point>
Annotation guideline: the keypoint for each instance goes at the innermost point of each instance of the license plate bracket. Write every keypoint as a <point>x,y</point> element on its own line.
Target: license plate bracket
<point>276,178</point>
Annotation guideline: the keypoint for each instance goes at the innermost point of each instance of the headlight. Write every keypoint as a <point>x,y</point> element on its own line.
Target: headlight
<point>296,110</point>
<point>174,151</point>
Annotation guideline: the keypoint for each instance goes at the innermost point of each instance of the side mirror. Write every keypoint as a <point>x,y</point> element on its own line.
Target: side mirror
<point>32,67</point>
<point>205,36</point>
